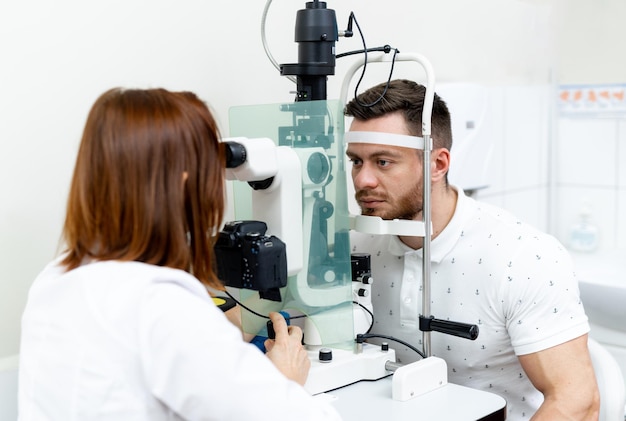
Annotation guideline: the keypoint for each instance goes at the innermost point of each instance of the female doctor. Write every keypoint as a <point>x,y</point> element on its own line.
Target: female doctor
<point>121,326</point>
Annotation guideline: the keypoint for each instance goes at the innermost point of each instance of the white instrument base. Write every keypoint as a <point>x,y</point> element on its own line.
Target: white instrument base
<point>347,367</point>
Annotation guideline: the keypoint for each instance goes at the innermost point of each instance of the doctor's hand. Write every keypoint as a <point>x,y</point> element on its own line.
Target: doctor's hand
<point>286,351</point>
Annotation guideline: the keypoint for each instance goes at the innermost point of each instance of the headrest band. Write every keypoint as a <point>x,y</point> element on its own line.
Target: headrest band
<point>381,138</point>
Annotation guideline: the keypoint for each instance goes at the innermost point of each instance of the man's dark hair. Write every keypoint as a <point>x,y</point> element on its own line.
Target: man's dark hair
<point>406,97</point>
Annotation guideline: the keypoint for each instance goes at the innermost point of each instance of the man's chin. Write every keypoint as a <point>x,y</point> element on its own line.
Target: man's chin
<point>373,212</point>
<point>385,215</point>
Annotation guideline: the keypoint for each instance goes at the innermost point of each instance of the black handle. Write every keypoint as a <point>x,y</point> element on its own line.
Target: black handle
<point>462,330</point>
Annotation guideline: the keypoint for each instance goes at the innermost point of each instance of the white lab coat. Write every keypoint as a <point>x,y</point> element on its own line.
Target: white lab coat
<point>136,342</point>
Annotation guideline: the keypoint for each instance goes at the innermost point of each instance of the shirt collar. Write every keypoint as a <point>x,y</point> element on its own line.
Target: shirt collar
<point>445,241</point>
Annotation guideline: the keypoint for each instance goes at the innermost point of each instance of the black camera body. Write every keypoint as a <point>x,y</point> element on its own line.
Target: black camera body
<point>247,258</point>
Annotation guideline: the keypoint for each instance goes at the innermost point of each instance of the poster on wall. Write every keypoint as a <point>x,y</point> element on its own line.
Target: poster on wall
<point>609,100</point>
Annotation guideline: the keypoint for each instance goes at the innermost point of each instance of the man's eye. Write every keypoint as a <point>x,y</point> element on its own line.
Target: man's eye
<point>383,162</point>
<point>355,161</point>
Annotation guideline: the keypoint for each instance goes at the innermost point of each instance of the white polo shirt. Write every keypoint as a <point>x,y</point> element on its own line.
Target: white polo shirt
<point>136,342</point>
<point>490,269</point>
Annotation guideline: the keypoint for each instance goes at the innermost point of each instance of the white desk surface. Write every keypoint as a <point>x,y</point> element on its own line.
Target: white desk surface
<point>371,400</point>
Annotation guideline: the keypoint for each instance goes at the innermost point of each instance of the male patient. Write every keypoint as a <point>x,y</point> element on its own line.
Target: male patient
<point>487,268</point>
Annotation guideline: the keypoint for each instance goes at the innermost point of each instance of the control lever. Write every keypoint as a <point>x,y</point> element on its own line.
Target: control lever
<point>462,330</point>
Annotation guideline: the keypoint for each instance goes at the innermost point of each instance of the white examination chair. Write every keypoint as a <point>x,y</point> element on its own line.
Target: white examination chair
<point>8,395</point>
<point>610,383</point>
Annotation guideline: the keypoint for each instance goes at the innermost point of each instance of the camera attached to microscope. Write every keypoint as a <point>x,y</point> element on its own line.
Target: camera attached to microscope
<point>247,258</point>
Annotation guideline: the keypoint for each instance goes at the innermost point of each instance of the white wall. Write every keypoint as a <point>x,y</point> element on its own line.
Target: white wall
<point>592,152</point>
<point>519,170</point>
<point>588,36</point>
<point>57,57</point>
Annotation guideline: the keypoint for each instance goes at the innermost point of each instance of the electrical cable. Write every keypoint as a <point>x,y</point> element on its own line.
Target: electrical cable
<point>264,41</point>
<point>374,335</point>
<point>391,338</point>
<point>365,51</point>
<point>245,307</point>
<point>239,303</point>
<point>384,48</point>
<point>371,315</point>
<point>360,335</point>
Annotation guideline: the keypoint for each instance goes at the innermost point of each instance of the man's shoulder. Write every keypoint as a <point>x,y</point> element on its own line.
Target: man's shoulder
<point>507,228</point>
<point>497,217</point>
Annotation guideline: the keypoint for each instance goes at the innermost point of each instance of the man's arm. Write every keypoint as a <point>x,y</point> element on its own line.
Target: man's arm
<point>565,376</point>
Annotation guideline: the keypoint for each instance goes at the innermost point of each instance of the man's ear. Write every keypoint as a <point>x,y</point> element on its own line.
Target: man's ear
<point>440,163</point>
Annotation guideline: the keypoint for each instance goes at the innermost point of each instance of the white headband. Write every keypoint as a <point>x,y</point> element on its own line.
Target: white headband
<point>381,138</point>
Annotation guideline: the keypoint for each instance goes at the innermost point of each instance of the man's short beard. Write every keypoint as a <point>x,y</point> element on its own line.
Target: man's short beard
<point>409,206</point>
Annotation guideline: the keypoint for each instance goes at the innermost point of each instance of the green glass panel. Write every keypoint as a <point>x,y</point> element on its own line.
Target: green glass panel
<point>322,290</point>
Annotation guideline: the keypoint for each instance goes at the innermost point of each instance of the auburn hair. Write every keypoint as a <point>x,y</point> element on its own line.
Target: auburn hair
<point>148,183</point>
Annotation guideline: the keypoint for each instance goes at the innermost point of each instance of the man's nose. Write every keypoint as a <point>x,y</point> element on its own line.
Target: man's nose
<point>364,178</point>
